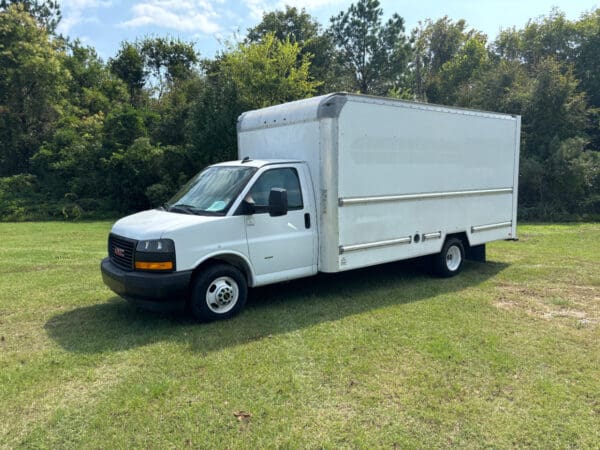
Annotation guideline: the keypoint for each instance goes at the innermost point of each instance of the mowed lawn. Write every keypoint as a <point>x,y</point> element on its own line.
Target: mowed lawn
<point>507,354</point>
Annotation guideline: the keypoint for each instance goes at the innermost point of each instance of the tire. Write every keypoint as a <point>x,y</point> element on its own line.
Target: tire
<point>219,292</point>
<point>450,260</point>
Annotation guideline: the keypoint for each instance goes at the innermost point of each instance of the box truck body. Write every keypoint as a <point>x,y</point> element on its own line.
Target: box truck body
<point>328,184</point>
<point>388,173</point>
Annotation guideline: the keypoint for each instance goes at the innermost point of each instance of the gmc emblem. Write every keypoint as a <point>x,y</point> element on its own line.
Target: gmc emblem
<point>119,252</point>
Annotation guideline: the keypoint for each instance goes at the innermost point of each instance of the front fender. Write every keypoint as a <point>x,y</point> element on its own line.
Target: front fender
<point>236,259</point>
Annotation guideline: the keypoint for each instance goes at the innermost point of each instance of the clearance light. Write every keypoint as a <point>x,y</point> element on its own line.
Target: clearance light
<point>146,265</point>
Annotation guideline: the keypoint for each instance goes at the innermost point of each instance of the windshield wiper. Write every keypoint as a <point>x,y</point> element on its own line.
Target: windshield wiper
<point>186,209</point>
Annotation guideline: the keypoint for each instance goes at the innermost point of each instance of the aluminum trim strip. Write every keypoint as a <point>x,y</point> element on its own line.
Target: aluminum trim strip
<point>429,236</point>
<point>368,245</point>
<point>424,196</point>
<point>491,226</point>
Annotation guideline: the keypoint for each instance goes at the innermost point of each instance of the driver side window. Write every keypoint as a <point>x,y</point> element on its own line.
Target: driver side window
<point>286,178</point>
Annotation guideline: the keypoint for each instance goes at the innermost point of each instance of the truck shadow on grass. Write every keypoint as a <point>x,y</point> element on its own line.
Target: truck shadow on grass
<point>116,326</point>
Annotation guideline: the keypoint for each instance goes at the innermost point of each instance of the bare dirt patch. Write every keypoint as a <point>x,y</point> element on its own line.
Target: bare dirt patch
<point>578,302</point>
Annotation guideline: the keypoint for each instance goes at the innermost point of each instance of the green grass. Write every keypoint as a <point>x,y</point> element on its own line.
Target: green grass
<point>505,355</point>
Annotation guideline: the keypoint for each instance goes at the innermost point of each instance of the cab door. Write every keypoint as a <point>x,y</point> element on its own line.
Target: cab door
<point>282,247</point>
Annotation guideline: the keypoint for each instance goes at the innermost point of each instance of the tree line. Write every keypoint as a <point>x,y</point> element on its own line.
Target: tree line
<point>82,137</point>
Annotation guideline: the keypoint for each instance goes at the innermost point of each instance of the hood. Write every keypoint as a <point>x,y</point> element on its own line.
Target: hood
<point>152,224</point>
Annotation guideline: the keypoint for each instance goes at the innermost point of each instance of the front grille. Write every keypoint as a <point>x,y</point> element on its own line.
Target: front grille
<point>120,251</point>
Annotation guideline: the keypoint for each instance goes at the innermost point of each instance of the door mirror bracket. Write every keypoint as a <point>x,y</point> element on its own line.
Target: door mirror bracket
<point>246,208</point>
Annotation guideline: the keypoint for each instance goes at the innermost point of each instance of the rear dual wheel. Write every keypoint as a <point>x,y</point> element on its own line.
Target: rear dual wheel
<point>450,260</point>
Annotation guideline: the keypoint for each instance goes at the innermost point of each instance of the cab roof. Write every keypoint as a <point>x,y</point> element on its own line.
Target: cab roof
<point>257,163</point>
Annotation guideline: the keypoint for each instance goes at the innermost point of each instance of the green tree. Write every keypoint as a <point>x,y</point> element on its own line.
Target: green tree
<point>130,171</point>
<point>91,86</point>
<point>299,27</point>
<point>435,45</point>
<point>375,54</point>
<point>549,36</point>
<point>123,126</point>
<point>555,109</point>
<point>211,127</point>
<point>504,87</point>
<point>47,13</point>
<point>293,24</point>
<point>167,60</point>
<point>587,55</point>
<point>129,66</point>
<point>155,63</point>
<point>457,77</point>
<point>32,84</point>
<point>554,119</point>
<point>174,108</point>
<point>268,72</point>
<point>69,165</point>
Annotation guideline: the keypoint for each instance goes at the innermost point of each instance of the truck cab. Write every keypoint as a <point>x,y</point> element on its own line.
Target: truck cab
<point>234,225</point>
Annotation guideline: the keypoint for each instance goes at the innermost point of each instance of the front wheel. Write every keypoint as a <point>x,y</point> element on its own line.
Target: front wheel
<point>219,292</point>
<point>450,260</point>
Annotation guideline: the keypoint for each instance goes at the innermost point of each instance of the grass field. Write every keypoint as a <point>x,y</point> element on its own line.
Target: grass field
<point>505,355</point>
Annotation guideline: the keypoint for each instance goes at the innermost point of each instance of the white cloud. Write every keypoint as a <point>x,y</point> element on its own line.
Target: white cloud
<point>83,4</point>
<point>187,15</point>
<point>311,4</point>
<point>258,7</point>
<point>73,12</point>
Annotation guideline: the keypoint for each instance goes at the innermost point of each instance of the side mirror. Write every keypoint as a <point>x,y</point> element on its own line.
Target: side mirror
<point>278,203</point>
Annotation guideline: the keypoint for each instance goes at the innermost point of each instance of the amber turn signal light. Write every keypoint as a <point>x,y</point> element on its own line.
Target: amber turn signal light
<point>144,265</point>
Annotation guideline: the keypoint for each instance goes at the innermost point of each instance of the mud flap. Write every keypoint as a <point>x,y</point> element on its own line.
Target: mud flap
<point>476,253</point>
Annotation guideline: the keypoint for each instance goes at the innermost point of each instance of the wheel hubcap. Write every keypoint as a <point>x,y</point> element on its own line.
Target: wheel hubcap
<point>453,258</point>
<point>222,295</point>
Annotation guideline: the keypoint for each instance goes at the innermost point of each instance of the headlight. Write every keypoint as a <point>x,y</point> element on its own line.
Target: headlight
<point>156,246</point>
<point>155,255</point>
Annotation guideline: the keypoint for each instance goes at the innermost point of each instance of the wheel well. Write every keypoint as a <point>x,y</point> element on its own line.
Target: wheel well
<point>232,260</point>
<point>475,252</point>
<point>462,236</point>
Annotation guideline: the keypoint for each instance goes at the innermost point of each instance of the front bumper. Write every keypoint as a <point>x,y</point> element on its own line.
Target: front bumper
<point>158,291</point>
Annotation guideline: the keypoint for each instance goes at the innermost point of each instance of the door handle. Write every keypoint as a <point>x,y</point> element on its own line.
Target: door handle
<point>307,221</point>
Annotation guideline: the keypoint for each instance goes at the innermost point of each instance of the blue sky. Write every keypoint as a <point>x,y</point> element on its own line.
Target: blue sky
<point>103,24</point>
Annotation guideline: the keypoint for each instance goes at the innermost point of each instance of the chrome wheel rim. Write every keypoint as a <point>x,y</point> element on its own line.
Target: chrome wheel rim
<point>453,258</point>
<point>222,295</point>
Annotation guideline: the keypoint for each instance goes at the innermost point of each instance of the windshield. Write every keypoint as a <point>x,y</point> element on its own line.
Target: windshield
<point>212,191</point>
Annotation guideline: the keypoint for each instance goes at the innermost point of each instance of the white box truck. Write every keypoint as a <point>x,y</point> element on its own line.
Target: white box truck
<point>326,184</point>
